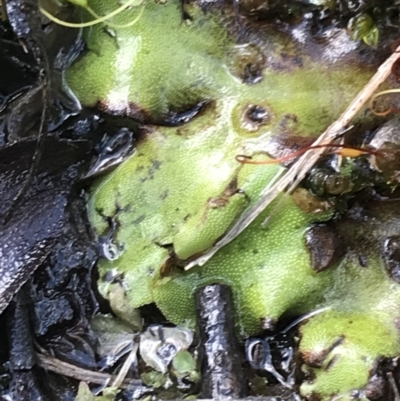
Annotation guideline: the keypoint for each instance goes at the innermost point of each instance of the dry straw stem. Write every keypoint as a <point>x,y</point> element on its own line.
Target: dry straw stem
<point>119,380</point>
<point>88,376</point>
<point>302,166</point>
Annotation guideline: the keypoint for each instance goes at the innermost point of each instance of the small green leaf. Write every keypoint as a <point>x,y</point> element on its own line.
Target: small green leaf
<point>84,393</point>
<point>184,362</point>
<point>372,38</point>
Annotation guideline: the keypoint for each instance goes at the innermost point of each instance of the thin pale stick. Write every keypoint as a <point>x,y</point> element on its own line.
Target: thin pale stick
<point>302,166</point>
<point>66,369</point>
<point>126,366</point>
<point>393,384</point>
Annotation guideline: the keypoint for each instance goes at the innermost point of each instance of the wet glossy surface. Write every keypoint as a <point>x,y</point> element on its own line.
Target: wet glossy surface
<point>28,237</point>
<point>222,370</point>
<point>111,152</point>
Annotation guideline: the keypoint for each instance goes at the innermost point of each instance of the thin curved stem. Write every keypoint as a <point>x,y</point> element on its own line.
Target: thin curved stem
<point>388,110</point>
<point>98,19</point>
<point>341,149</point>
<point>112,25</point>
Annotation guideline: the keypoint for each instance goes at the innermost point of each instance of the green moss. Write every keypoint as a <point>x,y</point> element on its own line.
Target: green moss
<point>177,193</point>
<point>162,65</point>
<point>350,344</point>
<point>174,192</point>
